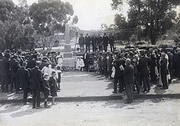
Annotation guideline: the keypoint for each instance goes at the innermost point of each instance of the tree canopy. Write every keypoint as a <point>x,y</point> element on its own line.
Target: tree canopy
<point>150,18</point>
<point>19,24</point>
<point>46,15</point>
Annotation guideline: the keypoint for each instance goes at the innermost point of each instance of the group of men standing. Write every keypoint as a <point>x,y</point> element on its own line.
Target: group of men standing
<point>25,72</point>
<point>138,70</point>
<point>97,42</point>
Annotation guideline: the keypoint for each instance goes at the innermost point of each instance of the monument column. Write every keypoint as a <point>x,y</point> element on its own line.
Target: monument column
<point>67,47</point>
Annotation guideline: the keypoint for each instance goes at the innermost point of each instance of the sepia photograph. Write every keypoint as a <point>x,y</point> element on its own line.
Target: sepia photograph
<point>89,62</point>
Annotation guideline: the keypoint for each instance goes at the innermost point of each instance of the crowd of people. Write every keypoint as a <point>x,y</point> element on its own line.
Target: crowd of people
<point>136,70</point>
<point>132,69</point>
<point>32,73</point>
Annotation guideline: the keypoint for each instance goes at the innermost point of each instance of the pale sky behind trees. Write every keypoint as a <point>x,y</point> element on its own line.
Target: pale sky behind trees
<point>93,13</point>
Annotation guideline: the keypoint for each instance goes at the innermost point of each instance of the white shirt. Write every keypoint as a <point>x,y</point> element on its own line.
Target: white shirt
<point>45,70</point>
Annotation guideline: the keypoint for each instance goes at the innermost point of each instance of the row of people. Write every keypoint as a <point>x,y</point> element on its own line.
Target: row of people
<point>97,42</point>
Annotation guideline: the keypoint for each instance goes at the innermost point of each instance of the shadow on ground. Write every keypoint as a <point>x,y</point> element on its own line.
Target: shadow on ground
<point>19,110</point>
<point>159,90</point>
<point>136,103</point>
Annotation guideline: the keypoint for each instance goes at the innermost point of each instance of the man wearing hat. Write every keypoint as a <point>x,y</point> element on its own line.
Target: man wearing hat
<point>23,77</point>
<point>5,72</point>
<point>105,42</point>
<point>87,42</point>
<point>81,42</point>
<point>129,80</point>
<point>36,84</point>
<point>144,72</point>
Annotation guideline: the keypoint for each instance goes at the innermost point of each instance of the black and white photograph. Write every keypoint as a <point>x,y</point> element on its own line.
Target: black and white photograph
<point>89,62</point>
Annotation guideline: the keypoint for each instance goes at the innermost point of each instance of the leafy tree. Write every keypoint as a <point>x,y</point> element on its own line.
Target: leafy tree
<point>14,25</point>
<point>3,30</point>
<point>46,15</point>
<point>19,24</point>
<point>125,30</point>
<point>154,16</point>
<point>6,9</point>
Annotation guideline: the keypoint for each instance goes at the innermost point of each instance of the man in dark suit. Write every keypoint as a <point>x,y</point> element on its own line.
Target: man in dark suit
<point>32,62</point>
<point>94,43</point>
<point>23,76</point>
<point>111,42</point>
<point>88,42</point>
<point>105,42</point>
<point>5,72</point>
<point>86,61</point>
<point>119,76</point>
<point>100,42</point>
<point>36,84</point>
<point>81,42</point>
<point>144,72</point>
<point>14,68</point>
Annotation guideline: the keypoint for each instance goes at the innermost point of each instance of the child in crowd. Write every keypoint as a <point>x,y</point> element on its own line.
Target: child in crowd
<point>79,64</point>
<point>53,86</point>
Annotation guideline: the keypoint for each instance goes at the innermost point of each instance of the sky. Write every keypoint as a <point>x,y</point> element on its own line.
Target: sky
<point>93,13</point>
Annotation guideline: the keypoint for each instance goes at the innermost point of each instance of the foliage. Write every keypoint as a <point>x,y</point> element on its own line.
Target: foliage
<point>151,18</point>
<point>20,24</point>
<point>46,15</point>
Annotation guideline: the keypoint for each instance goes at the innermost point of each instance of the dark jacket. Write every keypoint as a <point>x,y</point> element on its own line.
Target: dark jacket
<point>36,79</point>
<point>23,77</point>
<point>81,41</point>
<point>119,72</point>
<point>143,66</point>
<point>4,67</point>
<point>164,69</point>
<point>31,63</point>
<point>87,40</point>
<point>14,65</point>
<point>105,40</point>
<point>129,75</point>
<point>111,40</point>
